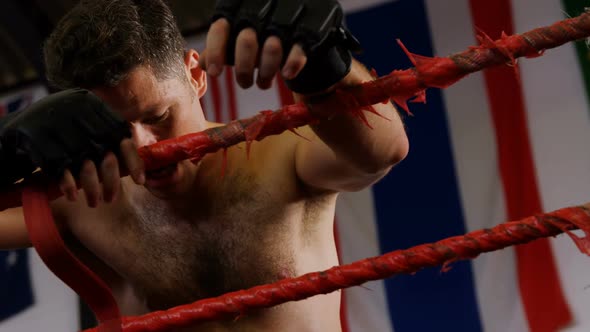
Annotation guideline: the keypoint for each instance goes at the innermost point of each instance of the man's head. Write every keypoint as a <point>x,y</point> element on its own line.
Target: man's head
<point>131,54</point>
<point>99,42</point>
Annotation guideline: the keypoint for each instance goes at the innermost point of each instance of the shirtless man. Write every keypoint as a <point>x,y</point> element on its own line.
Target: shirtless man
<point>185,233</point>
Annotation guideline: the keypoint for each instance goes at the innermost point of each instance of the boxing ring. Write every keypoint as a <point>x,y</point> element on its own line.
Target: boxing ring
<point>400,86</point>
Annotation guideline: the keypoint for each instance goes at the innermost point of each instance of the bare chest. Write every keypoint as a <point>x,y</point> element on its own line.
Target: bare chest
<point>229,240</point>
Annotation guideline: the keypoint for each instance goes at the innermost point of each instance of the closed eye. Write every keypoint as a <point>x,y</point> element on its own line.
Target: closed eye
<point>157,119</point>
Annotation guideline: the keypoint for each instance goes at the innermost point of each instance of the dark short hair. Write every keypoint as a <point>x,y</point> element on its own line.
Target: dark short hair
<point>99,42</point>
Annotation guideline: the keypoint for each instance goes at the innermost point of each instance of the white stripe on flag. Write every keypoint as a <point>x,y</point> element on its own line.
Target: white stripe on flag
<point>253,100</point>
<point>559,120</point>
<point>366,306</point>
<point>474,148</point>
<point>55,307</point>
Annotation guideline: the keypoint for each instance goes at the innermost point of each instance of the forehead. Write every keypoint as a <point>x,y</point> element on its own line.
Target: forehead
<point>139,92</point>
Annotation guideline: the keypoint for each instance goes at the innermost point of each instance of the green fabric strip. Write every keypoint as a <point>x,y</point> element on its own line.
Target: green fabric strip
<point>574,8</point>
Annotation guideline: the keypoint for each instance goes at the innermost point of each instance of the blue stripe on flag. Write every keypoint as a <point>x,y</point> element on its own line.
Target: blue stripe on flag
<point>15,283</point>
<point>419,200</point>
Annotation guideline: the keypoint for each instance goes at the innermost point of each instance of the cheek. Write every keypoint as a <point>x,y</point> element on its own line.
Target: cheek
<point>165,131</point>
<point>186,122</point>
<point>174,126</point>
<point>143,136</point>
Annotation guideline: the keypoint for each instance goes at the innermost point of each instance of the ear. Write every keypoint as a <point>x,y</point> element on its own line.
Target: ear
<point>197,76</point>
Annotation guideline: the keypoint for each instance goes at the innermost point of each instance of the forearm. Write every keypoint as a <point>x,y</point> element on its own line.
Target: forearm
<point>370,150</point>
<point>13,232</point>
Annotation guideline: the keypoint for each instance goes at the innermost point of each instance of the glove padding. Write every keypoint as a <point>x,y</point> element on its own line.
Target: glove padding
<point>57,133</point>
<point>317,25</point>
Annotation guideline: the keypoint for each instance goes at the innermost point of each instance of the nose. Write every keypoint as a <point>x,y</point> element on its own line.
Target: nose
<point>141,135</point>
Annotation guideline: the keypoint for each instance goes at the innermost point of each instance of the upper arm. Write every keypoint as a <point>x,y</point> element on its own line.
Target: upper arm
<point>13,231</point>
<point>318,167</point>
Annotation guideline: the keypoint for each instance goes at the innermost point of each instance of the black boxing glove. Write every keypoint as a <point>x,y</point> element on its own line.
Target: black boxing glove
<point>317,25</point>
<point>10,167</point>
<point>58,132</point>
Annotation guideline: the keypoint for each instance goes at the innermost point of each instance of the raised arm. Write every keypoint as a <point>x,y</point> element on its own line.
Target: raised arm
<point>307,42</point>
<point>349,155</point>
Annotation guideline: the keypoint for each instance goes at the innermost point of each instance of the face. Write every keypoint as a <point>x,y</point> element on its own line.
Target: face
<point>159,109</point>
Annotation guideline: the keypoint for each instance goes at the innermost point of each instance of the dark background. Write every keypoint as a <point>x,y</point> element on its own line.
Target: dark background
<point>24,25</point>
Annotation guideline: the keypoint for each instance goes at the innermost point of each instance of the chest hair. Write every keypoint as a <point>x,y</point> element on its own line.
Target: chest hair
<point>236,236</point>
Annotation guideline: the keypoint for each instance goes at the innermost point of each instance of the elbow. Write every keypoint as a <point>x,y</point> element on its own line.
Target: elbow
<point>400,150</point>
<point>388,158</point>
<point>374,169</point>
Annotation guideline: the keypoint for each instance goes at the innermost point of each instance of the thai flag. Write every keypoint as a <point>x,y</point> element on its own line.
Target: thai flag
<point>491,148</point>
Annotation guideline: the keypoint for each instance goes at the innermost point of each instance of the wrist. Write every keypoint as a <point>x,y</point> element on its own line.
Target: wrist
<point>322,71</point>
<point>358,74</point>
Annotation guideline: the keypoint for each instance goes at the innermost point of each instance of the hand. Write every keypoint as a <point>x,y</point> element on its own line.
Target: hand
<point>68,135</point>
<point>303,39</point>
<point>101,181</point>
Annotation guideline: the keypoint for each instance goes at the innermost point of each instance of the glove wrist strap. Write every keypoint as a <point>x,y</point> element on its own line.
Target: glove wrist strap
<point>320,73</point>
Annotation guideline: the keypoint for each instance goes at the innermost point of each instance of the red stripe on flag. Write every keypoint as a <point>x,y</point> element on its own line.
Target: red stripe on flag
<point>231,91</point>
<point>286,97</point>
<point>343,306</point>
<point>216,96</point>
<point>540,287</point>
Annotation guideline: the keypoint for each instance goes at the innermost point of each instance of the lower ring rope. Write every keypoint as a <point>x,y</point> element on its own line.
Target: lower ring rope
<point>444,252</point>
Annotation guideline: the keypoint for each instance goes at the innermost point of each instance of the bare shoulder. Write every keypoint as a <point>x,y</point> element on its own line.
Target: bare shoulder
<point>82,221</point>
<point>284,144</point>
<point>273,159</point>
<point>274,156</point>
